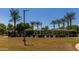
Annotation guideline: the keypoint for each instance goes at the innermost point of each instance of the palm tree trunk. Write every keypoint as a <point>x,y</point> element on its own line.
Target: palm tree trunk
<point>63,25</point>
<point>41,29</point>
<point>37,29</point>
<point>14,27</point>
<point>54,26</point>
<point>70,23</point>
<point>32,27</point>
<point>58,25</point>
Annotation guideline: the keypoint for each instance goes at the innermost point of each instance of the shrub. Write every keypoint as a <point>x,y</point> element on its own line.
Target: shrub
<point>2,28</point>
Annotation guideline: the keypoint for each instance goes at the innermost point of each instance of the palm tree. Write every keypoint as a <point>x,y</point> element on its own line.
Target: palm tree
<point>40,23</point>
<point>69,17</point>
<point>32,24</point>
<point>66,18</point>
<point>58,22</point>
<point>63,22</point>
<point>37,24</point>
<point>14,13</point>
<point>54,23</point>
<point>46,28</point>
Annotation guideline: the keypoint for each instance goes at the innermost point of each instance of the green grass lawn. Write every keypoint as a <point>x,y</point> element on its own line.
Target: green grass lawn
<point>38,44</point>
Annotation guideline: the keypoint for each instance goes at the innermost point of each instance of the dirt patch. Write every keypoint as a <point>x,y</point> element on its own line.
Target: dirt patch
<point>4,49</point>
<point>56,46</point>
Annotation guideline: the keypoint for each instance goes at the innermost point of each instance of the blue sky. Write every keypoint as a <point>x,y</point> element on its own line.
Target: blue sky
<point>45,15</point>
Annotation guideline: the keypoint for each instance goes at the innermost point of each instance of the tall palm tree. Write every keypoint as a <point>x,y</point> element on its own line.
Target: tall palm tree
<point>69,17</point>
<point>14,14</point>
<point>54,23</point>
<point>66,18</point>
<point>63,22</point>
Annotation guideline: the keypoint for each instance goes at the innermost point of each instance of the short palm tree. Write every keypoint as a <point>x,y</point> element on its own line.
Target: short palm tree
<point>38,23</point>
<point>14,13</point>
<point>58,22</point>
<point>41,27</point>
<point>32,24</point>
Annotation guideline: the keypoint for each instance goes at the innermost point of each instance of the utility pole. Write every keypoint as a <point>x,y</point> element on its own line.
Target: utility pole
<point>24,40</point>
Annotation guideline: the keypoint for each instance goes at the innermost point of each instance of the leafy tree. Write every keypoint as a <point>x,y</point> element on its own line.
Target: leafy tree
<point>74,27</point>
<point>2,28</point>
<point>10,26</point>
<point>45,29</point>
<point>29,32</point>
<point>21,27</point>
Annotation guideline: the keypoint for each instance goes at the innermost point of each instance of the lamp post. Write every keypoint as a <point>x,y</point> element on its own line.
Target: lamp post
<point>24,40</point>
